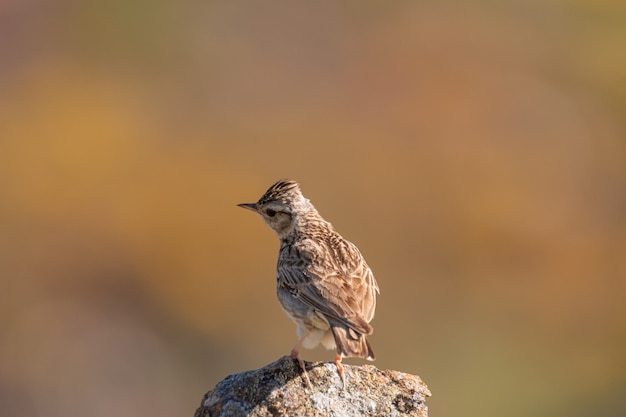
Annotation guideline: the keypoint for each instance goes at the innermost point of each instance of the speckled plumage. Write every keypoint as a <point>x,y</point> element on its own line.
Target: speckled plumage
<point>322,281</point>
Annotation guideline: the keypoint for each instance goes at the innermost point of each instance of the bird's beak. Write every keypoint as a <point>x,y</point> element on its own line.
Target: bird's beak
<point>249,206</point>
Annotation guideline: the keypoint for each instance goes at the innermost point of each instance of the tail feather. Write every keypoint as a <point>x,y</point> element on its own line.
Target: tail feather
<point>351,344</point>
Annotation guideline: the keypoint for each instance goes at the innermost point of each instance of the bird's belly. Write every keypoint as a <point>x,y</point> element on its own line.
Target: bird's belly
<point>301,313</point>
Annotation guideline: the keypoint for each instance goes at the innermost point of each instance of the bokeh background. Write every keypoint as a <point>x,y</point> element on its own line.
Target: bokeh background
<point>474,151</point>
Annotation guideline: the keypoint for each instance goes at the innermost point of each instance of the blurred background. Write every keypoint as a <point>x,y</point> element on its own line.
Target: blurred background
<point>474,151</point>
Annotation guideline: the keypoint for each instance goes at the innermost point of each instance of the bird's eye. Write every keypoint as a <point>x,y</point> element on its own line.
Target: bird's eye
<point>270,212</point>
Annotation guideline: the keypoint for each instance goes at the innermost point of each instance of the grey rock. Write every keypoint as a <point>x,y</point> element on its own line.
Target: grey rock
<point>279,389</point>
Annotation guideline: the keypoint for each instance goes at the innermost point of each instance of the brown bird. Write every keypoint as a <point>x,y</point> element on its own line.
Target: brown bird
<point>322,281</point>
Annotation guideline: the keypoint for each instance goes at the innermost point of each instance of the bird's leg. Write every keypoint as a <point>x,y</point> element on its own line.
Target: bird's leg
<point>340,370</point>
<point>295,354</point>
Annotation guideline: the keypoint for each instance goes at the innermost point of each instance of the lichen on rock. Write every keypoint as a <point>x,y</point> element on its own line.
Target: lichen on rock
<point>279,389</point>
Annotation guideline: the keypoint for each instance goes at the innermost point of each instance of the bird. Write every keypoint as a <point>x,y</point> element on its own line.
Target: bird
<point>323,283</point>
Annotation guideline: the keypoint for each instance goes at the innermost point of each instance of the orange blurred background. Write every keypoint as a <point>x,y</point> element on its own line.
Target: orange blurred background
<point>474,151</point>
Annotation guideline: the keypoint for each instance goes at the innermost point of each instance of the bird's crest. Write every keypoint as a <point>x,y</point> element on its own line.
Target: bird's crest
<point>284,190</point>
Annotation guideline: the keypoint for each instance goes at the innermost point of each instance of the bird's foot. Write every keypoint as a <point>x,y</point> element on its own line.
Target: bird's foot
<point>296,355</point>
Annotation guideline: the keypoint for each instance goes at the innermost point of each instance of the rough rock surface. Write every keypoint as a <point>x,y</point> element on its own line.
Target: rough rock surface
<point>279,389</point>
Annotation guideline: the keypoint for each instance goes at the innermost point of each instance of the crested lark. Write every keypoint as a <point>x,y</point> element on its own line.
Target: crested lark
<point>322,281</point>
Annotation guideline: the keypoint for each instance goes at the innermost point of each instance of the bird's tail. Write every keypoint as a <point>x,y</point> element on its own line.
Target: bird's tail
<point>351,344</point>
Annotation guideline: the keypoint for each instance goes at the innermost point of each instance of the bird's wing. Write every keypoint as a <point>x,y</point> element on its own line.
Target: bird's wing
<point>333,278</point>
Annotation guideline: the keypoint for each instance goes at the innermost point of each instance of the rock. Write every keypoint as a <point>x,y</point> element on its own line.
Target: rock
<point>279,389</point>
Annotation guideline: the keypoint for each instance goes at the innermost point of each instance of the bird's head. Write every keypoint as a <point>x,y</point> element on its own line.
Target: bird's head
<point>280,206</point>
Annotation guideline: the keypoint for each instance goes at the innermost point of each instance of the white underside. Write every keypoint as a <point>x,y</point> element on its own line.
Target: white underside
<point>315,337</point>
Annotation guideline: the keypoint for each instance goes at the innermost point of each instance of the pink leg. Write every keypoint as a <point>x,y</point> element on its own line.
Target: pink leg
<point>295,354</point>
<point>340,369</point>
